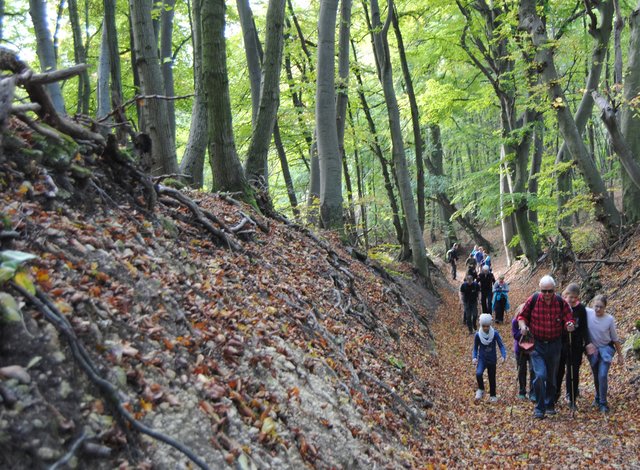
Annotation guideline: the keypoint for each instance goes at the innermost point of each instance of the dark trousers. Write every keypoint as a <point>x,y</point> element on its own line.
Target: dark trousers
<point>491,373</point>
<point>569,369</point>
<point>524,364</point>
<point>471,315</point>
<point>545,358</point>
<point>485,299</point>
<point>453,269</point>
<point>499,309</point>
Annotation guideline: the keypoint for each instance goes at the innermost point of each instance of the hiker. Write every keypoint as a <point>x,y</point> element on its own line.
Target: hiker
<point>602,347</point>
<point>487,260</point>
<point>545,314</point>
<point>485,356</point>
<point>486,281</point>
<point>573,346</point>
<point>471,264</point>
<point>479,256</point>
<point>469,291</point>
<point>452,258</point>
<point>500,301</point>
<point>523,360</point>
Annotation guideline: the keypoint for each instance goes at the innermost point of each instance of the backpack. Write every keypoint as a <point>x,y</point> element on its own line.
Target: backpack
<point>449,256</point>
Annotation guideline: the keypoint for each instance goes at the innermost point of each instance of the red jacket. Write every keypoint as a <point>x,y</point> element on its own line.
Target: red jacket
<point>546,322</point>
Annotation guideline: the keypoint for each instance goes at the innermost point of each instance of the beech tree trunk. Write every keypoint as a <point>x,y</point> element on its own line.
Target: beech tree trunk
<point>536,164</point>
<point>80,56</point>
<point>630,120</point>
<point>602,37</point>
<point>418,250</point>
<point>166,59</point>
<point>163,151</point>
<point>257,169</point>
<point>192,163</point>
<point>104,65</point>
<point>327,134</point>
<point>252,54</point>
<point>418,140</point>
<point>46,52</point>
<point>605,209</point>
<point>227,171</point>
<point>286,174</point>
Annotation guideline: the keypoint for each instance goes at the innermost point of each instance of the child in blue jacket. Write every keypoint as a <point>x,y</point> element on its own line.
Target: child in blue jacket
<point>485,355</point>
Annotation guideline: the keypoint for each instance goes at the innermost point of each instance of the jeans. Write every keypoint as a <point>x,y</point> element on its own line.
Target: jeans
<point>485,299</point>
<point>600,363</point>
<point>491,372</point>
<point>524,363</point>
<point>545,359</point>
<point>471,315</point>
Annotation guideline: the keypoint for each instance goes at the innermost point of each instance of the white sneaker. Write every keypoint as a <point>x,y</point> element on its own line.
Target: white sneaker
<point>479,394</point>
<point>493,399</point>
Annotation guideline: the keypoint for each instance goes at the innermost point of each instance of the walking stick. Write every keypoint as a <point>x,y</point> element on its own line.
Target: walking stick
<point>572,378</point>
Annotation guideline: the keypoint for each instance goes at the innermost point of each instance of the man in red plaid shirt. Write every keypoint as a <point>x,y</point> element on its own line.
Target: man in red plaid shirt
<point>545,315</point>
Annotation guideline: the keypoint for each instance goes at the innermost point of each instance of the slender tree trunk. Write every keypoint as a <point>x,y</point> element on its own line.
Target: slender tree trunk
<point>104,66</point>
<point>80,56</point>
<point>252,54</point>
<point>114,68</point>
<point>1,19</point>
<point>46,53</point>
<point>536,164</point>
<point>505,221</point>
<point>225,165</point>
<point>601,36</point>
<point>257,169</point>
<point>446,212</point>
<point>377,150</point>
<point>360,183</point>
<point>286,174</point>
<point>192,163</point>
<point>298,104</point>
<point>630,120</point>
<point>166,59</point>
<point>605,209</point>
<point>415,121</point>
<point>418,250</point>
<point>328,152</point>
<point>313,199</point>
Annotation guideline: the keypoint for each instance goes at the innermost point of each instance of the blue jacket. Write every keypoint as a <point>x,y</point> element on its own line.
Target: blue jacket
<point>487,354</point>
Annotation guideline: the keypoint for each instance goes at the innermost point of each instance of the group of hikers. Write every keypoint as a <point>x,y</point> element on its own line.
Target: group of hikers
<point>551,333</point>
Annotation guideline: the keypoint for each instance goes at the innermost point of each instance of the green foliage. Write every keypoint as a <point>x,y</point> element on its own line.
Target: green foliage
<point>10,264</point>
<point>395,362</point>
<point>585,238</point>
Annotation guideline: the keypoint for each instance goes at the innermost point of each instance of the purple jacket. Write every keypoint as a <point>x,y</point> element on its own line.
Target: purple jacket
<point>515,331</point>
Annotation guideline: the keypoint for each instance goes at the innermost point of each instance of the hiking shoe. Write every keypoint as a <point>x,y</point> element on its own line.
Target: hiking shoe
<point>493,399</point>
<point>572,406</point>
<point>595,404</point>
<point>538,414</point>
<point>479,394</point>
<point>551,411</point>
<point>604,409</point>
<point>533,398</point>
<point>521,396</point>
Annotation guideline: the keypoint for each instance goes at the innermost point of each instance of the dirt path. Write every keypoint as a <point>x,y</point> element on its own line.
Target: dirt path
<point>505,434</point>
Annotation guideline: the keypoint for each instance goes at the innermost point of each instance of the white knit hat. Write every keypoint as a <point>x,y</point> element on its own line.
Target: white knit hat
<point>485,319</point>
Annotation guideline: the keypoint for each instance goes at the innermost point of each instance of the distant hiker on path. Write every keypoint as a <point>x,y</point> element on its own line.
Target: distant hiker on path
<point>471,265</point>
<point>486,281</point>
<point>500,301</point>
<point>604,344</point>
<point>479,256</point>
<point>452,259</point>
<point>469,291</point>
<point>487,260</point>
<point>545,314</point>
<point>573,346</point>
<point>485,356</point>
<point>523,360</point>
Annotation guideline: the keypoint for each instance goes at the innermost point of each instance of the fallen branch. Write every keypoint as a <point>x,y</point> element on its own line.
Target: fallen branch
<point>199,215</point>
<point>23,108</point>
<point>603,261</point>
<point>55,75</point>
<point>136,98</point>
<point>106,388</point>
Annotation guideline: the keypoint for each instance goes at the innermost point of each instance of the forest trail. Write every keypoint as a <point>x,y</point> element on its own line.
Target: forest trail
<point>504,434</point>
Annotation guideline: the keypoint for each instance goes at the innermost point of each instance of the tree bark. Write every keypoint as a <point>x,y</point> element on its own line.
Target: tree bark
<point>630,121</point>
<point>114,65</point>
<point>418,140</point>
<point>257,168</point>
<point>80,56</point>
<point>605,209</point>
<point>602,37</point>
<point>166,59</point>
<point>192,163</point>
<point>313,198</point>
<point>163,151</point>
<point>536,164</point>
<point>46,53</point>
<point>252,54</point>
<point>418,250</point>
<point>327,134</point>
<point>225,165</point>
<point>286,174</point>
<point>104,66</point>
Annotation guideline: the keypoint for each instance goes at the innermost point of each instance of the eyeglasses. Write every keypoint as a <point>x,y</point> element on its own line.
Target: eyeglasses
<point>547,291</point>
<point>598,307</point>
